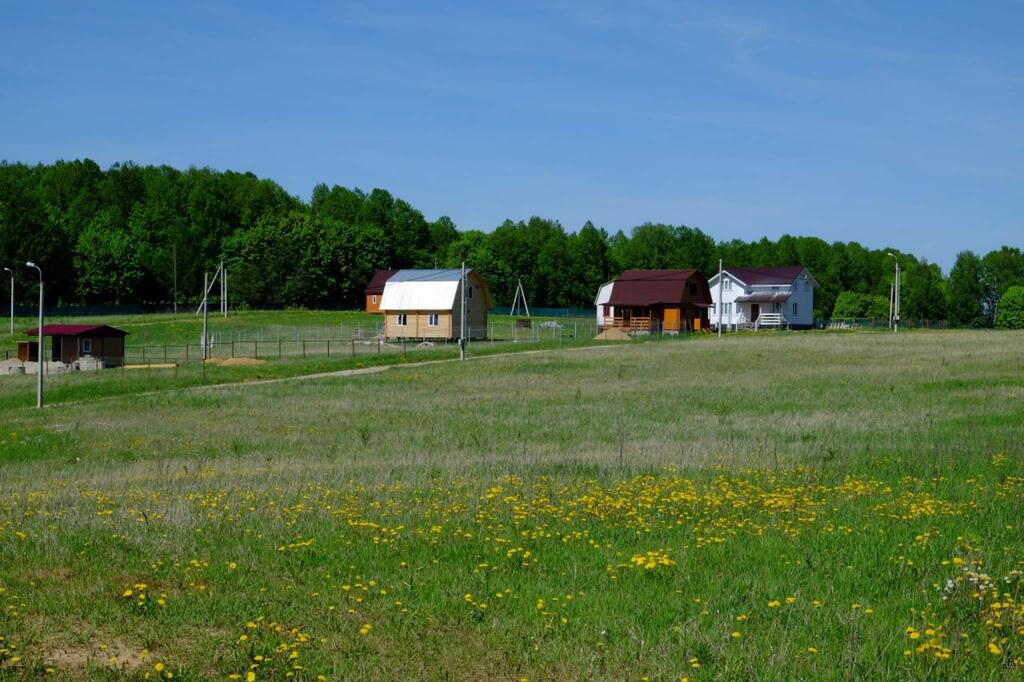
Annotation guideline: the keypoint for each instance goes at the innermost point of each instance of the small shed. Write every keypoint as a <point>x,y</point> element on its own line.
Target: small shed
<point>73,341</point>
<point>375,289</point>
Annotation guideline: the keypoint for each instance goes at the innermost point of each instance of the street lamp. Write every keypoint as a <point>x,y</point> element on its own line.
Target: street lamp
<point>12,298</point>
<point>39,352</point>
<point>894,309</point>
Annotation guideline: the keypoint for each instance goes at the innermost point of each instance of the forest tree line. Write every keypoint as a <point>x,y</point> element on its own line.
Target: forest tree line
<point>128,233</point>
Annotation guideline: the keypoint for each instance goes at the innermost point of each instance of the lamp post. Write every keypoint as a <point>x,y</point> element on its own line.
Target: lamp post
<point>896,296</point>
<point>12,298</point>
<point>39,352</point>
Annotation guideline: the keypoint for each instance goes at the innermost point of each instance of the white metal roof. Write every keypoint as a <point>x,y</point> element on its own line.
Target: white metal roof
<point>419,295</point>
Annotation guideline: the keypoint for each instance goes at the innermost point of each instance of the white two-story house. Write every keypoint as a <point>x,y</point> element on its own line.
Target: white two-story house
<point>758,298</point>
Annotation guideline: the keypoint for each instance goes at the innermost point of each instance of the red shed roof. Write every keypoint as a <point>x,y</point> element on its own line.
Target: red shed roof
<point>77,330</point>
<point>650,287</point>
<point>377,282</point>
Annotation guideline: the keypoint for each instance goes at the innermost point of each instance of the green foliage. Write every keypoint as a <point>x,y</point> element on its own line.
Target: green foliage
<point>1010,314</point>
<point>966,291</point>
<point>851,305</point>
<point>119,235</point>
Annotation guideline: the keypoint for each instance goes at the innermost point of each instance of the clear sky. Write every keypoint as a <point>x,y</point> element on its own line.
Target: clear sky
<point>892,124</point>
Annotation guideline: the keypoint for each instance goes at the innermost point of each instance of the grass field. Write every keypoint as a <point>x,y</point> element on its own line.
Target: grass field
<point>775,506</point>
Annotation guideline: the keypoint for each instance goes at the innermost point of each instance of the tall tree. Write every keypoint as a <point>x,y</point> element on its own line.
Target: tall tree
<point>966,291</point>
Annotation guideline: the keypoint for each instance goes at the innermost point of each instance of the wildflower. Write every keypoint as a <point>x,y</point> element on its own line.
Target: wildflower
<point>736,634</point>
<point>365,630</point>
<point>773,604</point>
<point>994,649</point>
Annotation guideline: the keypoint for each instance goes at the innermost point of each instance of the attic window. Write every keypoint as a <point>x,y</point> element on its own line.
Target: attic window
<point>375,298</point>
<point>693,288</point>
<point>469,291</point>
<point>727,284</point>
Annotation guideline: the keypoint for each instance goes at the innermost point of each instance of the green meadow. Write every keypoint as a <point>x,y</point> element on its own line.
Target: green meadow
<point>763,506</point>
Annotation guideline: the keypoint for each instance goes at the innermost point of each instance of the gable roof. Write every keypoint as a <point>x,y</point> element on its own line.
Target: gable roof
<point>426,289</point>
<point>77,330</point>
<point>776,275</point>
<point>650,287</point>
<point>604,293</point>
<point>377,282</point>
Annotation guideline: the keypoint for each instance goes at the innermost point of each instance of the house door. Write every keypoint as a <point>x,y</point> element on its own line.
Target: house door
<point>671,319</point>
<point>755,311</point>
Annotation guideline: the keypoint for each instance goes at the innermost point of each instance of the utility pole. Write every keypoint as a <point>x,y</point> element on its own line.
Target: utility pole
<point>892,296</point>
<point>224,276</point>
<point>462,325</point>
<point>721,285</point>
<point>39,352</point>
<point>174,259</point>
<point>896,296</point>
<point>206,316</point>
<point>12,298</point>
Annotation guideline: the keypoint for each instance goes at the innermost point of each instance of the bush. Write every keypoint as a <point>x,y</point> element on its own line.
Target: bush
<point>851,305</point>
<point>1010,314</point>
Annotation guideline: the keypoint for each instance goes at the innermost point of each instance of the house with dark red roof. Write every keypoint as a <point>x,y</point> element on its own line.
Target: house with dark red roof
<point>375,289</point>
<point>71,342</point>
<point>654,301</point>
<point>759,298</point>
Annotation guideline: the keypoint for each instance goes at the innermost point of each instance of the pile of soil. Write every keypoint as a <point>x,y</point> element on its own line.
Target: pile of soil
<point>613,334</point>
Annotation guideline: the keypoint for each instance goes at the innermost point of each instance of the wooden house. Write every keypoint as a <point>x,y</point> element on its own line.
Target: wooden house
<point>427,304</point>
<point>655,301</point>
<point>71,342</point>
<point>375,289</point>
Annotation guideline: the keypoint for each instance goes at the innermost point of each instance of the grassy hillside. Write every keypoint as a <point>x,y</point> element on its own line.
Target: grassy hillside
<point>821,506</point>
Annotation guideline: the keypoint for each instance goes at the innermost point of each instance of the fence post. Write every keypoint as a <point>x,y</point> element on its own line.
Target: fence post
<point>279,349</point>
<point>186,351</point>
<point>303,349</point>
<point>143,354</point>
<point>256,348</point>
<point>378,346</point>
<point>353,347</point>
<point>328,348</point>
<point>165,353</point>
<point>232,348</point>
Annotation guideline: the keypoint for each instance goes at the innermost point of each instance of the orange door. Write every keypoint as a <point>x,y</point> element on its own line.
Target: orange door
<point>671,319</point>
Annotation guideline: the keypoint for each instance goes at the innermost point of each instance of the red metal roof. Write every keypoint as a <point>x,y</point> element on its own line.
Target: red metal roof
<point>377,282</point>
<point>653,287</point>
<point>77,330</point>
<point>775,275</point>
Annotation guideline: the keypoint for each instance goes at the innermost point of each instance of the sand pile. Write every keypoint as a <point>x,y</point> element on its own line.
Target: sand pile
<point>613,334</point>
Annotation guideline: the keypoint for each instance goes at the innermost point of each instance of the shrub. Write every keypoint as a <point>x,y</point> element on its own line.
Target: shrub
<point>1010,314</point>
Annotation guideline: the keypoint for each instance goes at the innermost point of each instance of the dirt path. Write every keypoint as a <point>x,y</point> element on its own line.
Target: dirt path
<point>330,375</point>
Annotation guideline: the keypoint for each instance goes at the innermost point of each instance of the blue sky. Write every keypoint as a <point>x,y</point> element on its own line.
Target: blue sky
<point>892,124</point>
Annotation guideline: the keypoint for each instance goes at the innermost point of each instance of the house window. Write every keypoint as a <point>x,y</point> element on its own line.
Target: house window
<point>402,319</point>
<point>727,284</point>
<point>469,291</point>
<point>607,310</point>
<point>693,288</point>
<point>375,299</point>
<point>432,320</point>
<point>794,308</point>
<point>86,346</point>
<point>807,285</point>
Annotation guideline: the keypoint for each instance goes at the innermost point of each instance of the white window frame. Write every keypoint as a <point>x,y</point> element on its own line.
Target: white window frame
<point>403,319</point>
<point>86,346</point>
<point>374,298</point>
<point>726,284</point>
<point>432,319</point>
<point>795,308</point>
